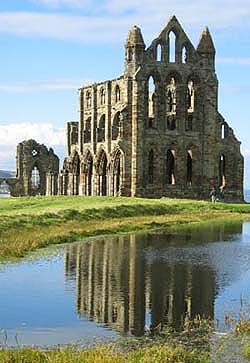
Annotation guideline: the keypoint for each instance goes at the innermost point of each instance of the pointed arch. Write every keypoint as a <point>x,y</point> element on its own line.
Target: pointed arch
<point>151,99</point>
<point>76,173</point>
<point>102,169</point>
<point>171,95</point>
<point>117,172</point>
<point>172,46</point>
<point>190,95</point>
<point>101,129</point>
<point>222,170</point>
<point>170,167</point>
<point>184,54</point>
<point>117,94</point>
<point>116,126</point>
<point>35,177</point>
<point>158,52</point>
<point>88,173</point>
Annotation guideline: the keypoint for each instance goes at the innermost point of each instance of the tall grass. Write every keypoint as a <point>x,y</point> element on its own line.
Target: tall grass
<point>155,354</point>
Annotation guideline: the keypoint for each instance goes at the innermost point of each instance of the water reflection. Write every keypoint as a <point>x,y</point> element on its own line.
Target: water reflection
<point>130,282</point>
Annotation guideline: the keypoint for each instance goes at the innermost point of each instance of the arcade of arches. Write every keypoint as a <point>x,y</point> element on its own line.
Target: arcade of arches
<point>101,175</point>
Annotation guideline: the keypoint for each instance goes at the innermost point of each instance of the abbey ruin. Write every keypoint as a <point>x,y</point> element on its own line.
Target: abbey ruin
<point>156,130</point>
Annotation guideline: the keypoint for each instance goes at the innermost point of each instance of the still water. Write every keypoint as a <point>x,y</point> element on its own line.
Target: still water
<point>105,287</point>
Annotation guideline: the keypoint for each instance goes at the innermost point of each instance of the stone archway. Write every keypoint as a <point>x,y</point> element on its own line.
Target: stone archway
<point>102,171</point>
<point>170,167</point>
<point>117,168</point>
<point>76,173</point>
<point>88,174</point>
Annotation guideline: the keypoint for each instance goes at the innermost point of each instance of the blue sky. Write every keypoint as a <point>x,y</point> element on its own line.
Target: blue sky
<point>49,48</point>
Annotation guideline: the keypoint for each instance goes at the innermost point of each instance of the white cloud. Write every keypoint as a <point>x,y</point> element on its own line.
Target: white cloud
<point>106,21</point>
<point>61,26</point>
<point>42,85</point>
<point>12,134</point>
<point>44,133</point>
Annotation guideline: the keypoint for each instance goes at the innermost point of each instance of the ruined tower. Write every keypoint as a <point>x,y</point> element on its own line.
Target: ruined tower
<point>156,130</point>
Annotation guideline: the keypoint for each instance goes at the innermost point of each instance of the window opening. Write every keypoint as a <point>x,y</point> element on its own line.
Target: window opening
<point>184,55</point>
<point>89,176</point>
<point>172,42</point>
<point>116,126</point>
<point>171,96</point>
<point>101,130</point>
<point>151,100</point>
<point>223,131</point>
<point>117,94</point>
<point>87,131</point>
<point>170,167</point>
<point>190,96</point>
<point>159,53</point>
<point>35,178</point>
<point>103,175</point>
<point>222,170</point>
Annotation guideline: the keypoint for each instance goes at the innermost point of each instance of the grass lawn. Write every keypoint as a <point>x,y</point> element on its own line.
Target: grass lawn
<point>35,222</point>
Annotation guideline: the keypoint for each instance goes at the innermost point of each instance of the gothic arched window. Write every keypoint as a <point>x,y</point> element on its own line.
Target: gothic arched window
<point>151,99</point>
<point>171,96</point>
<point>158,52</point>
<point>117,93</point>
<point>87,130</point>
<point>190,96</point>
<point>116,126</point>
<point>35,178</point>
<point>170,167</point>
<point>222,170</point>
<point>184,55</point>
<point>101,130</point>
<point>171,46</point>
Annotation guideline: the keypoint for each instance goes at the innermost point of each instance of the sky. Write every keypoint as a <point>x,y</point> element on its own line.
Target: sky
<point>49,48</point>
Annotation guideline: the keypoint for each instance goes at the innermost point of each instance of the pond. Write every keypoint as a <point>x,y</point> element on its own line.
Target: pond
<point>105,287</point>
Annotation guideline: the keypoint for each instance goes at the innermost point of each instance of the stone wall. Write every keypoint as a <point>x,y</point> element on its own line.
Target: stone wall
<point>37,170</point>
<point>156,130</point>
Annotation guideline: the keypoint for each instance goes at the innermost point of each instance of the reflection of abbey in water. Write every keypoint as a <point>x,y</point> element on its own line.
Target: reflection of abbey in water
<point>125,283</point>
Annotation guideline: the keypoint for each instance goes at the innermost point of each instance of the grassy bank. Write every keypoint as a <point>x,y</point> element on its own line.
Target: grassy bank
<point>155,354</point>
<point>31,223</point>
<point>194,344</point>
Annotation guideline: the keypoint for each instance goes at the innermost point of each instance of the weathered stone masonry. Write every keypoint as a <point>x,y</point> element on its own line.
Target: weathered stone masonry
<point>155,131</point>
<point>36,170</point>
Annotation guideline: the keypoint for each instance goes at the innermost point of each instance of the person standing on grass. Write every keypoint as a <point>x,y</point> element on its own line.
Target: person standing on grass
<point>213,195</point>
